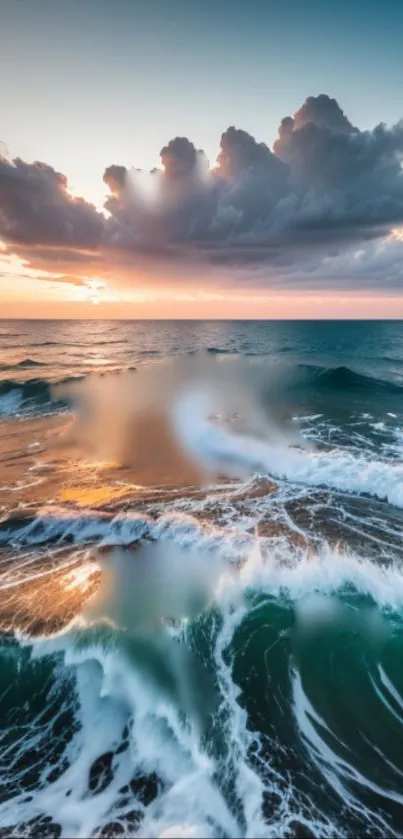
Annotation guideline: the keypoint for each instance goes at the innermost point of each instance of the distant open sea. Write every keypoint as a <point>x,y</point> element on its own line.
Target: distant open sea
<point>201,578</point>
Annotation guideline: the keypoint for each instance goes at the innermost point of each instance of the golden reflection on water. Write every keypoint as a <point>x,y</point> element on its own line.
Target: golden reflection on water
<point>93,496</point>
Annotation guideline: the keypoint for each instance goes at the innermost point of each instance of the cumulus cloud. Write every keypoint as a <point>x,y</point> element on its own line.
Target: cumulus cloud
<point>178,158</point>
<point>37,209</point>
<point>115,177</point>
<point>323,111</point>
<point>325,192</point>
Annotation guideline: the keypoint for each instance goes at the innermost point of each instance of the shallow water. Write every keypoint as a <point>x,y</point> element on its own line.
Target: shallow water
<point>204,651</point>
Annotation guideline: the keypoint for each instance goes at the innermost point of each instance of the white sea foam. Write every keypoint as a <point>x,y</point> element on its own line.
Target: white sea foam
<point>275,566</point>
<point>338,771</point>
<point>182,415</point>
<point>205,791</point>
<point>338,469</point>
<point>112,693</point>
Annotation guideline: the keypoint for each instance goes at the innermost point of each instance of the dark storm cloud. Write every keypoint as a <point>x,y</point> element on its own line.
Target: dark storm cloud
<point>158,210</point>
<point>325,187</point>
<point>323,111</point>
<point>178,157</point>
<point>376,267</point>
<point>115,177</point>
<point>324,181</point>
<point>36,208</point>
<point>335,182</point>
<point>240,152</point>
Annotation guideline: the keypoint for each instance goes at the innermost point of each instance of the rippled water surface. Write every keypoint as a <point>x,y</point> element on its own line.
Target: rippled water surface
<point>201,579</point>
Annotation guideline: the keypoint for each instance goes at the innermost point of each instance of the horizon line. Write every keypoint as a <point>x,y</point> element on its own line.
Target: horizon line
<point>198,319</point>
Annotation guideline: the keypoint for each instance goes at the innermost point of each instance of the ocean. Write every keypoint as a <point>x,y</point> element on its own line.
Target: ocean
<point>201,579</point>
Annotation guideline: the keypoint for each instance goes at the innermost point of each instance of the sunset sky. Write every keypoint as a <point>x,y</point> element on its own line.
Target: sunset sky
<point>201,158</point>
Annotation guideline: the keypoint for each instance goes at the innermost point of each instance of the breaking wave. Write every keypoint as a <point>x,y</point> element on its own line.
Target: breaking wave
<point>172,729</point>
<point>228,661</point>
<point>301,379</point>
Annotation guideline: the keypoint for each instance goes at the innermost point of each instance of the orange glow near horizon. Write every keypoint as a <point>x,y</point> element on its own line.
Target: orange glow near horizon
<point>78,303</point>
<point>37,294</point>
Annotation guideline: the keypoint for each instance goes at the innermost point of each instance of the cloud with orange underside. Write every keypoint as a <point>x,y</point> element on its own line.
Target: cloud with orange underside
<point>319,210</point>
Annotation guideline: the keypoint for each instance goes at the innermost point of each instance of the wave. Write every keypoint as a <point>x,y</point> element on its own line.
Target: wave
<point>345,379</point>
<point>179,413</point>
<point>67,527</point>
<point>392,359</point>
<point>63,344</point>
<point>25,364</point>
<point>336,469</point>
<point>288,572</point>
<point>281,749</point>
<point>36,344</point>
<point>218,351</point>
<point>300,640</point>
<point>48,344</point>
<point>30,395</point>
<point>303,380</point>
<point>10,402</point>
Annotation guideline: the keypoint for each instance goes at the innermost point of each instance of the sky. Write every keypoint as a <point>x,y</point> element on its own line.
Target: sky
<point>201,158</point>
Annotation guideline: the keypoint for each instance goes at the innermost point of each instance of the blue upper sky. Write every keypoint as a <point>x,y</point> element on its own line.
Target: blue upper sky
<point>87,83</point>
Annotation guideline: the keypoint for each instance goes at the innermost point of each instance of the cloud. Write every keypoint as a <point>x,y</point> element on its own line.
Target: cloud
<point>114,177</point>
<point>75,281</point>
<point>323,111</point>
<point>295,213</point>
<point>37,209</point>
<point>178,158</point>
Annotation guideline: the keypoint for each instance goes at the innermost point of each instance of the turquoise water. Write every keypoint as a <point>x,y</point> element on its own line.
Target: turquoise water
<point>239,672</point>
